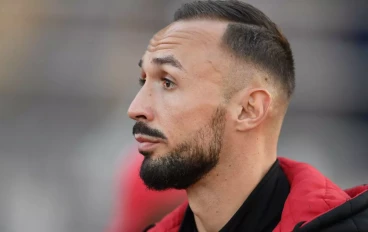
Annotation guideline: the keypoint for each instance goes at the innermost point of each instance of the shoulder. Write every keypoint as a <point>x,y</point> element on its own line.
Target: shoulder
<point>315,202</point>
<point>350,216</point>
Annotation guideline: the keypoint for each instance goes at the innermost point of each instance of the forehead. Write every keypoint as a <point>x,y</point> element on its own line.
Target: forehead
<point>189,41</point>
<point>193,32</point>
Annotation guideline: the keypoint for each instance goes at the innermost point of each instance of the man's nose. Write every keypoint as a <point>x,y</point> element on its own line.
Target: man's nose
<point>141,108</point>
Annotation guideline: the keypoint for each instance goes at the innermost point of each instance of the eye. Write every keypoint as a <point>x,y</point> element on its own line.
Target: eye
<point>168,84</point>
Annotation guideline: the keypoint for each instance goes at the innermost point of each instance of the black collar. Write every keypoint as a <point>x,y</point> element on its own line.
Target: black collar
<point>261,211</point>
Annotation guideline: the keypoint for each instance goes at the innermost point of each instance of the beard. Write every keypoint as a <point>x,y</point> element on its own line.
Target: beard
<point>189,161</point>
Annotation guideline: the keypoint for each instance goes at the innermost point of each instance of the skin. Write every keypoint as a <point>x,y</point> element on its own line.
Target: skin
<point>253,116</point>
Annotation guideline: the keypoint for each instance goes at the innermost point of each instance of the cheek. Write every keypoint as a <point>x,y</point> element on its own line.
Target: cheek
<point>183,115</point>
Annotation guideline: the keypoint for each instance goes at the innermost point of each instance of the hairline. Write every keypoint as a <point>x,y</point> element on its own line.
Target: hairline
<point>229,90</point>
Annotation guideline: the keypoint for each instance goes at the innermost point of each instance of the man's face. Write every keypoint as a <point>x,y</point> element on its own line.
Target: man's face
<point>180,109</point>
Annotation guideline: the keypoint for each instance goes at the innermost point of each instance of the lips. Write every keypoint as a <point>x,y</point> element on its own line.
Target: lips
<point>145,139</point>
<point>146,143</point>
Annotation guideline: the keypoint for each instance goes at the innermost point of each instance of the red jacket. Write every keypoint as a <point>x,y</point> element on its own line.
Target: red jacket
<point>311,195</point>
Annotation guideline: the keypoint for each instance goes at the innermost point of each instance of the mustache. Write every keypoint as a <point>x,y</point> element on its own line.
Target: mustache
<point>143,129</point>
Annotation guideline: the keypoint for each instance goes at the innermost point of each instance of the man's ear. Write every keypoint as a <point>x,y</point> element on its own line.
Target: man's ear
<point>254,106</point>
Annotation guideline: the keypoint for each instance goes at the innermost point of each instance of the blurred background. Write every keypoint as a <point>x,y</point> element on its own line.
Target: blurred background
<point>68,72</point>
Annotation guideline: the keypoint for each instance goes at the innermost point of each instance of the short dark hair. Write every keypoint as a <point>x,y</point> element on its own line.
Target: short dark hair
<point>250,35</point>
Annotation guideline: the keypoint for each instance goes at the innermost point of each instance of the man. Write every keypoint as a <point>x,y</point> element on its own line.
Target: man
<point>216,84</point>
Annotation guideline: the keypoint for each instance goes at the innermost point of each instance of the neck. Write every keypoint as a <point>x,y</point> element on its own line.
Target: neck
<point>216,198</point>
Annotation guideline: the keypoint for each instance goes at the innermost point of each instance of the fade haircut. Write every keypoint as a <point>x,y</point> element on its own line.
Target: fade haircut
<point>250,36</point>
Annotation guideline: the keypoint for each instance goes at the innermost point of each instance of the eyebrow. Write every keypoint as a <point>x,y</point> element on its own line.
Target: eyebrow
<point>169,60</point>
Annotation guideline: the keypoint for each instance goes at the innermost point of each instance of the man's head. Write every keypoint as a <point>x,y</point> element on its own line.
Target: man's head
<point>220,74</point>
